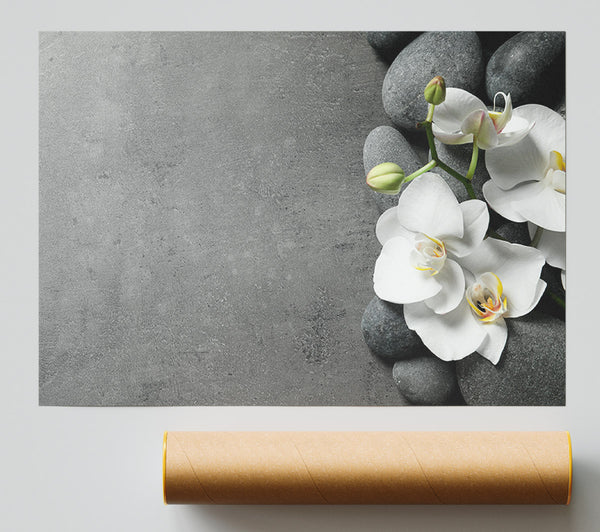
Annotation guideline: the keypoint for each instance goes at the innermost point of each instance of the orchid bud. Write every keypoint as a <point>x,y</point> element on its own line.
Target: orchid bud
<point>435,92</point>
<point>386,178</point>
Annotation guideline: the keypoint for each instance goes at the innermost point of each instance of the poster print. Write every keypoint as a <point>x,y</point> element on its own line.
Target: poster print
<point>208,237</point>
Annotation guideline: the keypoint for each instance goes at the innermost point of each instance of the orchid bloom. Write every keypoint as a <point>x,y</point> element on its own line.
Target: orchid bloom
<point>463,118</point>
<point>422,239</point>
<point>503,281</point>
<point>528,179</point>
<point>553,246</point>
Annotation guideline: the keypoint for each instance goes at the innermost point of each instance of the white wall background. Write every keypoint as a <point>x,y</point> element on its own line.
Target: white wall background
<point>81,469</point>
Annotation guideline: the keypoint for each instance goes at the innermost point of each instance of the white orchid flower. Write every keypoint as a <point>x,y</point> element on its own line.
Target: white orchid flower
<point>553,246</point>
<point>463,117</point>
<point>503,281</point>
<point>422,238</point>
<point>528,179</point>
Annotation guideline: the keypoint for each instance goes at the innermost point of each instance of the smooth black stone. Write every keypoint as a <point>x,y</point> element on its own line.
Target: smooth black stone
<point>388,44</point>
<point>561,109</point>
<point>515,232</point>
<point>456,56</point>
<point>530,372</point>
<point>492,40</point>
<point>531,67</point>
<point>387,145</point>
<point>386,333</point>
<point>547,303</point>
<point>426,380</point>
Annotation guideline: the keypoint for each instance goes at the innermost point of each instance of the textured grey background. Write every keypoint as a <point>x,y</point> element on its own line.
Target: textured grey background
<point>205,234</point>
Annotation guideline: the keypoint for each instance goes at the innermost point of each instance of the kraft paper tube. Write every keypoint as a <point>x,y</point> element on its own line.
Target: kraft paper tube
<point>367,467</point>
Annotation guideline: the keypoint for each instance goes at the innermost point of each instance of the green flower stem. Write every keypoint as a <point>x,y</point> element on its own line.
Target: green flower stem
<point>466,182</point>
<point>430,140</point>
<point>537,236</point>
<point>474,157</point>
<point>430,113</point>
<point>422,170</point>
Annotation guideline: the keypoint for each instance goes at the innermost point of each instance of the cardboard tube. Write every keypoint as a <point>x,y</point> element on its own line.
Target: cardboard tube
<point>367,467</point>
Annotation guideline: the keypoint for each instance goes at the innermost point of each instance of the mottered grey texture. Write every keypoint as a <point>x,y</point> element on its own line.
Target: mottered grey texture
<point>205,238</point>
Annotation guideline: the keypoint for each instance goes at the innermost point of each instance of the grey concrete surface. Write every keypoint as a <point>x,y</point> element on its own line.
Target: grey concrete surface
<point>205,238</point>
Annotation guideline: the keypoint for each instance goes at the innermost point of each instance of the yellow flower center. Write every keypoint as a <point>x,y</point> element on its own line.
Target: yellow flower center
<point>557,161</point>
<point>428,254</point>
<point>485,298</point>
<point>555,175</point>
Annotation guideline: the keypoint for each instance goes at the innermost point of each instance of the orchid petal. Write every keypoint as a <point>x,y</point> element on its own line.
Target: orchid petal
<point>553,245</point>
<point>502,200</point>
<point>449,115</point>
<point>450,336</point>
<point>388,226</point>
<point>529,202</point>
<point>396,280</point>
<point>513,312</point>
<point>476,219</point>
<point>518,268</point>
<point>546,208</point>
<point>487,138</point>
<point>496,334</point>
<point>451,138</point>
<point>516,130</point>
<point>512,165</point>
<point>527,160</point>
<point>479,124</point>
<point>452,279</point>
<point>549,132</point>
<point>559,181</point>
<point>472,122</point>
<point>429,206</point>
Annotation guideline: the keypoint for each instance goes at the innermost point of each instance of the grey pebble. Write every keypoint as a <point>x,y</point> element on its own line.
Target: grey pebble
<point>492,40</point>
<point>426,380</point>
<point>554,287</point>
<point>515,232</point>
<point>530,372</point>
<point>387,145</point>
<point>531,67</point>
<point>388,44</point>
<point>456,56</point>
<point>386,333</point>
